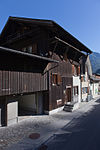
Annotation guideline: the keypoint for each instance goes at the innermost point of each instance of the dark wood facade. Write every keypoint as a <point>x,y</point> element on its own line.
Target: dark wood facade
<point>39,37</point>
<point>62,70</point>
<point>12,82</point>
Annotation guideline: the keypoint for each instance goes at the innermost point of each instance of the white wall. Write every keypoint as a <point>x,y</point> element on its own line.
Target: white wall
<point>12,111</point>
<point>76,82</point>
<point>84,84</point>
<point>95,89</point>
<point>84,96</point>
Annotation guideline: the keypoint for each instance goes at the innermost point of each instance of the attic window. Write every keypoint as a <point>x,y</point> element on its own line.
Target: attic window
<point>30,48</point>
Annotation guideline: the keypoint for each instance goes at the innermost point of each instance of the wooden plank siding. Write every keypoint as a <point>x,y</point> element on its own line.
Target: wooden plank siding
<point>56,91</point>
<point>21,82</point>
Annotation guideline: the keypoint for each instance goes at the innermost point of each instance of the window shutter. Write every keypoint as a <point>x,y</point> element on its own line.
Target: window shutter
<point>53,79</point>
<point>73,69</point>
<point>81,78</point>
<point>58,79</point>
<point>78,70</point>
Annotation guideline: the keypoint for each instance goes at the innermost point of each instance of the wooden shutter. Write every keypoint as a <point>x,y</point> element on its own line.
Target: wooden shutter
<point>73,69</point>
<point>81,78</point>
<point>78,70</point>
<point>58,79</point>
<point>54,78</point>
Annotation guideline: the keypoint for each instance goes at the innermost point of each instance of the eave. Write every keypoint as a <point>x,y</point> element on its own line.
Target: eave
<point>15,60</point>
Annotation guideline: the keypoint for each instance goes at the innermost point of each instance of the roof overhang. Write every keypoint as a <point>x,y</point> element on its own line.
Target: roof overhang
<point>72,52</point>
<point>51,26</point>
<point>15,60</point>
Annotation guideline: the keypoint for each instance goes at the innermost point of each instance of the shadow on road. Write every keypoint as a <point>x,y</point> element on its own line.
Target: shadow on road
<point>80,134</point>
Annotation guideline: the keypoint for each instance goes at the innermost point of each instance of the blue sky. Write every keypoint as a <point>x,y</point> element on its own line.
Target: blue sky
<point>79,17</point>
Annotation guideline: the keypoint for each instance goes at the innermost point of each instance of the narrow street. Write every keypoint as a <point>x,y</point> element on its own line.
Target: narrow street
<point>82,133</point>
<point>62,130</point>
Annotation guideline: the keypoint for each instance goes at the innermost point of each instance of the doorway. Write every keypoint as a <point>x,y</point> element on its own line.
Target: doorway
<point>68,94</point>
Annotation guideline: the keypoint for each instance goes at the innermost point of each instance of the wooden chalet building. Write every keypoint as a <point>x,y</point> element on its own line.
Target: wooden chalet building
<point>39,68</point>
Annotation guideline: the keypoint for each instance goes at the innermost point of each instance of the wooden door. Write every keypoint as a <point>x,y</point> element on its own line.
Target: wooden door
<point>68,95</point>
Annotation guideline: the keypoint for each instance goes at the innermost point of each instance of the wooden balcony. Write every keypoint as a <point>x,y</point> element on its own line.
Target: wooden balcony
<point>12,83</point>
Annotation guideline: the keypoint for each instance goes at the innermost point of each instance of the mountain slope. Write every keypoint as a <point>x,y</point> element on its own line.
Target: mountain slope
<point>95,61</point>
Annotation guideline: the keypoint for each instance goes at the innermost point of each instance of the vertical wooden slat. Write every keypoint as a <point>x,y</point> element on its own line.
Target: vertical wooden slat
<point>0,82</point>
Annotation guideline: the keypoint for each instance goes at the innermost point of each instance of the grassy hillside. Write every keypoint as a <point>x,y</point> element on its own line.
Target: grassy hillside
<point>95,61</point>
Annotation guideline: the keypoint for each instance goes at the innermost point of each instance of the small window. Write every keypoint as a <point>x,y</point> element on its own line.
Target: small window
<point>85,90</point>
<point>29,49</point>
<point>75,70</point>
<point>75,90</point>
<point>56,79</point>
<point>78,70</point>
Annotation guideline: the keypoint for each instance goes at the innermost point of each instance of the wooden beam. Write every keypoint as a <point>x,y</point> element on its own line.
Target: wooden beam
<point>62,41</point>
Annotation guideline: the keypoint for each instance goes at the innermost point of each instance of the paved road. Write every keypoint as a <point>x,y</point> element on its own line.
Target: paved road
<point>81,134</point>
<point>17,136</point>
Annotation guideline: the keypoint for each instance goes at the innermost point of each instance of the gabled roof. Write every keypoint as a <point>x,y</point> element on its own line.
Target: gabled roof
<point>50,25</point>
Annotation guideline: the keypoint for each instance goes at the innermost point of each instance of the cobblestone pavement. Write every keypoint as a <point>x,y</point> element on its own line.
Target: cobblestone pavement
<point>17,132</point>
<point>16,137</point>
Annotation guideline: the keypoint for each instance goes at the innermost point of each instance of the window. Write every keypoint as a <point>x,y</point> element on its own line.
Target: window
<point>75,90</point>
<point>56,79</point>
<point>76,70</point>
<point>83,78</point>
<point>85,90</point>
<point>29,49</point>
